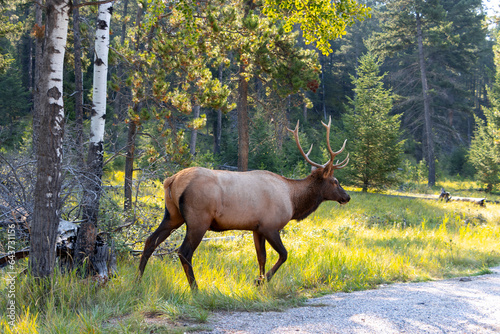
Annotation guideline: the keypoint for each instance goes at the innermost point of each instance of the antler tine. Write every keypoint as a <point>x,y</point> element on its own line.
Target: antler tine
<point>332,154</point>
<point>306,156</point>
<point>342,164</point>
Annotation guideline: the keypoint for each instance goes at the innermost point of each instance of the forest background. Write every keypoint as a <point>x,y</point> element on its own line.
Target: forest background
<point>176,78</point>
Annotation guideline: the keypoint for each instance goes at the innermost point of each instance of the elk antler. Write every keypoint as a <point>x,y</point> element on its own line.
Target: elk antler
<point>337,165</point>
<point>306,156</point>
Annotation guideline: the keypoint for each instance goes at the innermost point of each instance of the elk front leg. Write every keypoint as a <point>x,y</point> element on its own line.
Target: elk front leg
<point>274,239</point>
<point>260,247</point>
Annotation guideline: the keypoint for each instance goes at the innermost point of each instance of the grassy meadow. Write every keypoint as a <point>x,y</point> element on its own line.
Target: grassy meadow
<point>373,240</point>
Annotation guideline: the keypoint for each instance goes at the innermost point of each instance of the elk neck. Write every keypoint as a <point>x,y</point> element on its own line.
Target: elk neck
<point>306,195</point>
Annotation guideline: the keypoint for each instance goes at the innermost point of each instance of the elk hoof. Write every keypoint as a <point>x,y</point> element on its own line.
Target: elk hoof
<point>260,281</point>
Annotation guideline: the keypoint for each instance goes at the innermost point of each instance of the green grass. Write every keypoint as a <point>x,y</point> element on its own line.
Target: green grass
<point>372,240</point>
<point>456,188</point>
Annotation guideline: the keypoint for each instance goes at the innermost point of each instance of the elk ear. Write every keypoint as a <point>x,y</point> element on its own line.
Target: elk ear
<point>328,171</point>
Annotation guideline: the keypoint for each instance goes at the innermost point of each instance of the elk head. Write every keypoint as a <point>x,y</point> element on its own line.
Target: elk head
<point>330,186</point>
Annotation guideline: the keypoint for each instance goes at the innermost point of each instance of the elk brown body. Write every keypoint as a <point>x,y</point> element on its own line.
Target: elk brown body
<point>257,201</point>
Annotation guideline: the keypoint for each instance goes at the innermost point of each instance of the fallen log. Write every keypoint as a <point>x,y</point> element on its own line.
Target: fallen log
<point>479,201</point>
<point>104,257</point>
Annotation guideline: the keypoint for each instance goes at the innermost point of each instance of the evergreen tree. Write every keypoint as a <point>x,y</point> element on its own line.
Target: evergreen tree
<point>373,134</point>
<point>14,105</point>
<point>432,47</point>
<point>485,146</point>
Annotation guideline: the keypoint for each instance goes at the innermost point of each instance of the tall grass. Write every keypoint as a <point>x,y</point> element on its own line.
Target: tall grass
<point>373,240</point>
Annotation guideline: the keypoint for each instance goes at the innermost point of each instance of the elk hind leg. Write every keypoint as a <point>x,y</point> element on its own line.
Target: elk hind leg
<point>156,238</point>
<point>194,235</point>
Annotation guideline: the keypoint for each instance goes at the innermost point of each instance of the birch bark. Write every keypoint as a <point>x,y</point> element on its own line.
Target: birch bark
<point>87,233</point>
<point>50,138</point>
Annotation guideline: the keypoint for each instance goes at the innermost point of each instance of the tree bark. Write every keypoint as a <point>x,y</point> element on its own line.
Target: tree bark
<point>87,232</point>
<point>132,132</point>
<point>119,69</point>
<point>50,139</point>
<point>218,123</point>
<point>78,83</point>
<point>129,163</point>
<point>38,65</point>
<point>242,108</point>
<point>429,140</point>
<point>323,98</point>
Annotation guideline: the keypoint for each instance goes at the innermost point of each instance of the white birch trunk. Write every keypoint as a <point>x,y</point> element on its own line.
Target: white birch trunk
<point>100,73</point>
<point>86,238</point>
<point>50,139</point>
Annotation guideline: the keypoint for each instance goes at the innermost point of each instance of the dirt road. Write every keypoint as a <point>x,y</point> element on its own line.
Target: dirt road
<point>460,305</point>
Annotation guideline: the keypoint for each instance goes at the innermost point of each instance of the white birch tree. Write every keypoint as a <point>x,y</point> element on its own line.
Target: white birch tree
<point>88,229</point>
<point>49,145</point>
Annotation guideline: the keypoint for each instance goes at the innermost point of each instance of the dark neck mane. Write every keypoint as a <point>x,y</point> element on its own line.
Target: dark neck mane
<point>306,196</point>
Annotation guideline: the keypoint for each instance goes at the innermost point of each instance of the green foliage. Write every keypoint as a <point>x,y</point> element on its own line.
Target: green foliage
<point>373,134</point>
<point>485,146</point>
<point>320,20</point>
<point>485,149</point>
<point>454,52</point>
<point>457,163</point>
<point>14,107</point>
<point>9,27</point>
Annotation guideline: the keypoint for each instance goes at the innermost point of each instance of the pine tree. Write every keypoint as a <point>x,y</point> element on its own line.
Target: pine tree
<point>432,46</point>
<point>373,133</point>
<point>485,146</point>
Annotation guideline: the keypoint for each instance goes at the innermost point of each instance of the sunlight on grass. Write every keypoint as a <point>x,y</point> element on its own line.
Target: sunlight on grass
<point>371,241</point>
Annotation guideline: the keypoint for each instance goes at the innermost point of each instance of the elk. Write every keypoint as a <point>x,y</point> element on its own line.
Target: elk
<point>257,201</point>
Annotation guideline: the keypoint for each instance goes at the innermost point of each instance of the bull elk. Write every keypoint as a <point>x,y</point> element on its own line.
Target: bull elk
<point>257,201</point>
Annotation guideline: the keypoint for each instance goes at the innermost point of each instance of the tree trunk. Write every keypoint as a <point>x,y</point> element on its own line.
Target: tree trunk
<point>39,39</point>
<point>323,98</point>
<point>217,131</point>
<point>119,68</point>
<point>243,122</point>
<point>304,109</point>
<point>30,64</point>
<point>87,232</point>
<point>194,132</point>
<point>129,163</point>
<point>218,122</point>
<point>132,132</point>
<point>78,83</point>
<point>242,108</point>
<point>429,140</point>
<point>50,139</point>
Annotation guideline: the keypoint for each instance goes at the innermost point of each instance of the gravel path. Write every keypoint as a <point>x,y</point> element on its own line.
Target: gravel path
<point>460,305</point>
